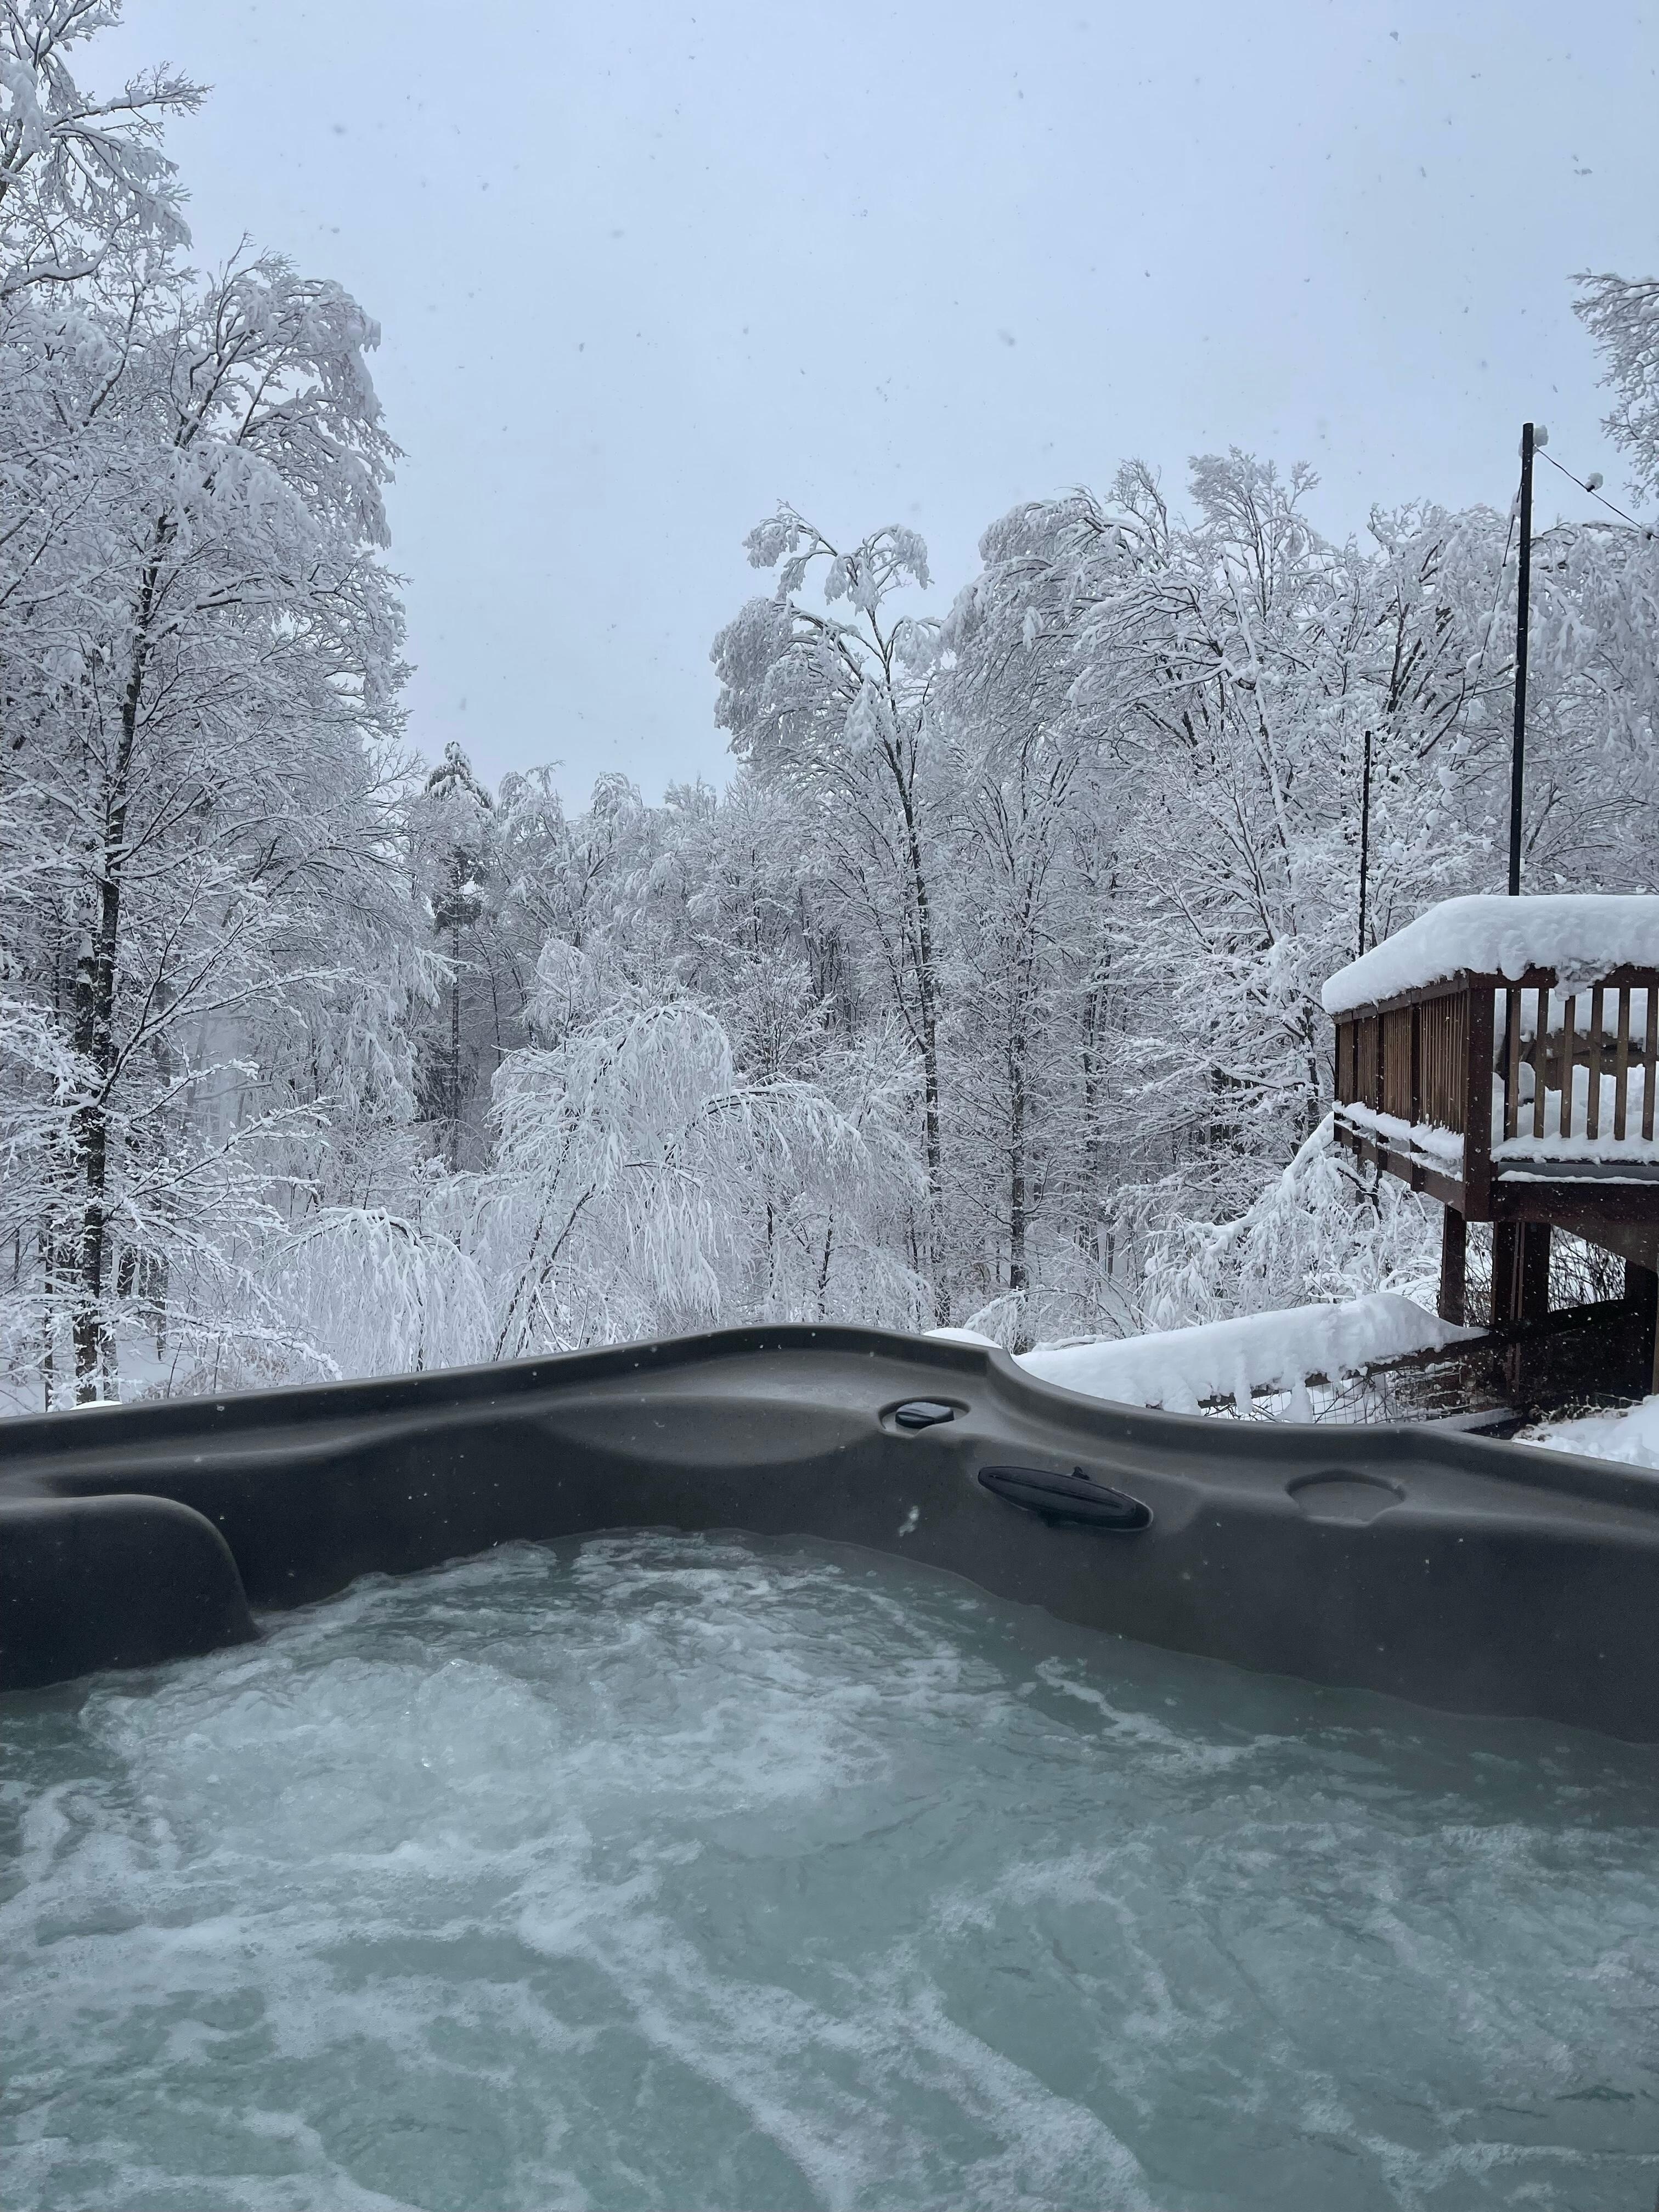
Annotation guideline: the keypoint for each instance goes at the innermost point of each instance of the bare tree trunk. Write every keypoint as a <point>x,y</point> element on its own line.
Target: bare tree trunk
<point>1089,1207</point>
<point>48,1272</point>
<point>927,1014</point>
<point>454,1045</point>
<point>1019,1272</point>
<point>95,1010</point>
<point>1021,1013</point>
<point>90,1130</point>
<point>156,1298</point>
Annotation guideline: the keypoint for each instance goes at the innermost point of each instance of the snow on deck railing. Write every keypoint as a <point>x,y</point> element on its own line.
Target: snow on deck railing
<point>1565,1135</point>
<point>1581,935</point>
<point>1497,1036</point>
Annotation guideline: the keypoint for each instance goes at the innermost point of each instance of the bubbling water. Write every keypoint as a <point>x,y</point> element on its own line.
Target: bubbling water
<point>688,1871</point>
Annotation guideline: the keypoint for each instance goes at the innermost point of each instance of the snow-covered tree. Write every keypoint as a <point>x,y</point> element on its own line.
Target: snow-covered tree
<point>1621,313</point>
<point>639,1177</point>
<point>834,708</point>
<point>988,987</point>
<point>82,178</point>
<point>452,826</point>
<point>200,656</point>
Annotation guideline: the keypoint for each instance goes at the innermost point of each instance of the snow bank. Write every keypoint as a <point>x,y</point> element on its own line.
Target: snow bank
<point>1579,934</point>
<point>1177,1368</point>
<point>1633,1436</point>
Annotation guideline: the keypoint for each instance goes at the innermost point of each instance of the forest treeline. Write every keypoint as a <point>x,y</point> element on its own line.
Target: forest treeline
<point>985,992</point>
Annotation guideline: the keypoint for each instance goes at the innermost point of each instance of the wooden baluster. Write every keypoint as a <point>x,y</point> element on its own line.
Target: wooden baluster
<point>1511,1063</point>
<point>1540,1059</point>
<point>1457,1052</point>
<point>1480,1049</point>
<point>1650,1056</point>
<point>1593,1103</point>
<point>1417,1089</point>
<point>1569,1051</point>
<point>1621,1067</point>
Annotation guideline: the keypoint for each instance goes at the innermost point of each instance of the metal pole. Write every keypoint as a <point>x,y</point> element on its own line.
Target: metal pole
<point>1364,838</point>
<point>1523,602</point>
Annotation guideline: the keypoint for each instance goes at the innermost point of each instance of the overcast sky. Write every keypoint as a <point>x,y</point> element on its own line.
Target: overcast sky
<point>642,271</point>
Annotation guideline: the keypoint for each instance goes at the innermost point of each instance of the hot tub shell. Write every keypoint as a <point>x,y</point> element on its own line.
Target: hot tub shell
<point>1454,1570</point>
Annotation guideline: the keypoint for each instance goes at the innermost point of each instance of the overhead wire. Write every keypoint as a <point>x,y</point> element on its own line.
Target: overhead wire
<point>1540,454</point>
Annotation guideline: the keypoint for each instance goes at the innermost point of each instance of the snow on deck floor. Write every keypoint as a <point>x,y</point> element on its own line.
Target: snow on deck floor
<point>1177,1369</point>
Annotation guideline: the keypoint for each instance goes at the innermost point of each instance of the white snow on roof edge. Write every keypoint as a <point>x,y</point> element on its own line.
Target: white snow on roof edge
<point>1580,934</point>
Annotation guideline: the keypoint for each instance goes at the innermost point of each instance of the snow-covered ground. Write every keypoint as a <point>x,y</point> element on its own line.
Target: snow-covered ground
<point>1177,1369</point>
<point>1632,1436</point>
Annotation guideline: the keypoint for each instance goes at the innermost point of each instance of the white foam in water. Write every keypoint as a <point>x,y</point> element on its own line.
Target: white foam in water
<point>684,1872</point>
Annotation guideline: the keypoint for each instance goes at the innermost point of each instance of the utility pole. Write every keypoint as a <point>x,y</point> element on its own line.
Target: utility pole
<point>1365,839</point>
<point>1519,1249</point>
<point>1533,435</point>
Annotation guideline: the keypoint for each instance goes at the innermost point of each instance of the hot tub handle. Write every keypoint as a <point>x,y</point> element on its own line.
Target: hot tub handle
<point>1071,1499</point>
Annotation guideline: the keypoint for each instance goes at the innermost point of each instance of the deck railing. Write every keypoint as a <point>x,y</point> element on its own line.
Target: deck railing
<point>1484,1076</point>
<point>1608,1034</point>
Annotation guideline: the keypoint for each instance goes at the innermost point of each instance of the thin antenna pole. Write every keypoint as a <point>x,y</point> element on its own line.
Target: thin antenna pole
<point>1522,607</point>
<point>1364,838</point>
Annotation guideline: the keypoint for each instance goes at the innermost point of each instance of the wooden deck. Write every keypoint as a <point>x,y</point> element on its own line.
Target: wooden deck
<point>1518,1103</point>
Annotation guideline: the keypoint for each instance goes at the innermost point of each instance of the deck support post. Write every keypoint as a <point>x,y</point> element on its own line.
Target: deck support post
<point>1642,1291</point>
<point>1454,1265</point>
<point>1520,1271</point>
<point>1505,1237</point>
<point>1535,1270</point>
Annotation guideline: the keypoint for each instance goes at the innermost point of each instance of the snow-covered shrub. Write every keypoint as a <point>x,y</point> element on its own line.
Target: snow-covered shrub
<point>1326,1229</point>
